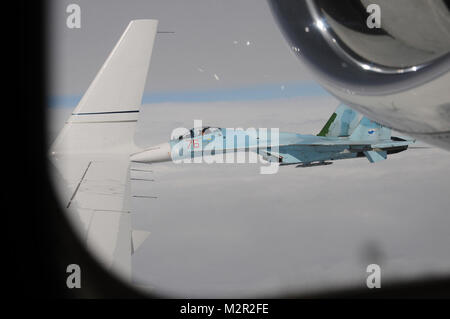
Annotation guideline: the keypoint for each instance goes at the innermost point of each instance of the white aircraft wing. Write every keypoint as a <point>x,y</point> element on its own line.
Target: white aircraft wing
<point>91,154</point>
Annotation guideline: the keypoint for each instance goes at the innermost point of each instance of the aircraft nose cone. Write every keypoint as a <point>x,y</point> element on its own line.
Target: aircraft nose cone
<point>157,153</point>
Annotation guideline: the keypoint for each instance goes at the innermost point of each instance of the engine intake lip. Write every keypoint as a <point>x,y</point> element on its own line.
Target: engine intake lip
<point>311,32</point>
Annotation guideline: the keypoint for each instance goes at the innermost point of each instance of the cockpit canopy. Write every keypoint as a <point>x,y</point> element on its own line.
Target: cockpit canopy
<point>200,131</point>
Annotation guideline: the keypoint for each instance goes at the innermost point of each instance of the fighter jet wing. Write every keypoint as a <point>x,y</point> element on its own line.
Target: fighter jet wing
<point>91,154</point>
<point>357,143</point>
<point>295,153</point>
<point>343,141</point>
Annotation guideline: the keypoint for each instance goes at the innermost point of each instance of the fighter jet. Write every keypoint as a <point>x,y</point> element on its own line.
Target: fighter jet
<point>347,134</point>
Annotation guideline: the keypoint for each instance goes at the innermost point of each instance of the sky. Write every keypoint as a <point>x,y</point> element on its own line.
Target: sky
<point>226,230</point>
<point>238,41</point>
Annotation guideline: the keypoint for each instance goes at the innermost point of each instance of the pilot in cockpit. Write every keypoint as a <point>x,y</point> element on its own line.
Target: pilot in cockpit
<point>206,130</point>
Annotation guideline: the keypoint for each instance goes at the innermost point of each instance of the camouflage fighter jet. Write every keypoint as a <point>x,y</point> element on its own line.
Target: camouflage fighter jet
<point>347,134</point>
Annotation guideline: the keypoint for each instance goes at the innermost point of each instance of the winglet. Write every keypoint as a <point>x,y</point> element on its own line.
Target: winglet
<point>119,85</point>
<point>113,98</point>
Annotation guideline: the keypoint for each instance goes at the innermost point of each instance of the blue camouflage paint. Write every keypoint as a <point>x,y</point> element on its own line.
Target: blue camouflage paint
<point>362,137</point>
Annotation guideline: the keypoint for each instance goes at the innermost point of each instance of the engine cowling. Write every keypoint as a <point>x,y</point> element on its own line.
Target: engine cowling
<point>397,75</point>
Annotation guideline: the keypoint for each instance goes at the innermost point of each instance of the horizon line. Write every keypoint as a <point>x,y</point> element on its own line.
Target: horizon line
<point>266,91</point>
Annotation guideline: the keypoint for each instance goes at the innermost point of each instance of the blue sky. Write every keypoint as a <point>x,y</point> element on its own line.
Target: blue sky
<point>259,92</point>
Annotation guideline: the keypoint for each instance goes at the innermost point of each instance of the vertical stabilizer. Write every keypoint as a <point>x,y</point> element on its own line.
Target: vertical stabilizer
<point>368,130</point>
<point>341,123</point>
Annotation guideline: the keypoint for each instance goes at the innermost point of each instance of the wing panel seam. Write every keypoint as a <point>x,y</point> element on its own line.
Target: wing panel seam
<point>79,183</point>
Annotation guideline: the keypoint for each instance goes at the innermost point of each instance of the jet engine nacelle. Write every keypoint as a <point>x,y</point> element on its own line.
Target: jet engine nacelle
<point>397,75</point>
